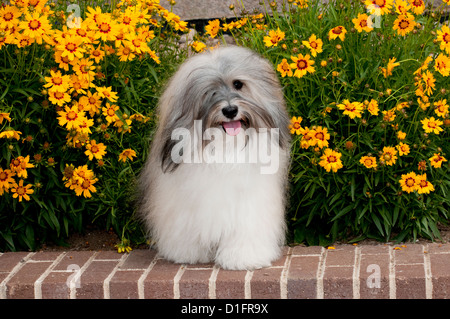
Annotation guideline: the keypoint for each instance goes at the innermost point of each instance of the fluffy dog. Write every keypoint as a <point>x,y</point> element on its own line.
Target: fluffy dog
<point>214,186</point>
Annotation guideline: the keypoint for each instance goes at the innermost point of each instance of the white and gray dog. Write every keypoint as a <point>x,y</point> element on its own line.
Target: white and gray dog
<point>214,186</point>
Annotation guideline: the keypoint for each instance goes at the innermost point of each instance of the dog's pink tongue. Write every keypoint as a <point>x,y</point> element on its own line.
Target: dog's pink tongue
<point>232,128</point>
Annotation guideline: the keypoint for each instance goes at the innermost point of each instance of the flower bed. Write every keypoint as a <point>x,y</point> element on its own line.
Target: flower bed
<point>366,84</point>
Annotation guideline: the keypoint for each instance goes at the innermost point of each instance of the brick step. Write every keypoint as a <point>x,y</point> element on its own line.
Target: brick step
<point>344,271</point>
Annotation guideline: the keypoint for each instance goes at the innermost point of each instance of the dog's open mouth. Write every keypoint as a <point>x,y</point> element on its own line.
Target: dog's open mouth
<point>232,128</point>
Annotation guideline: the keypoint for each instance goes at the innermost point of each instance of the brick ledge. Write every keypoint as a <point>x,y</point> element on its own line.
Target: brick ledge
<point>359,272</point>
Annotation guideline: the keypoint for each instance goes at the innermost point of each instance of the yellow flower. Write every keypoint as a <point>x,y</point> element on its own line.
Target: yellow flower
<point>6,180</point>
<point>58,98</point>
<point>4,116</point>
<point>123,127</point>
<point>273,38</point>
<point>107,29</point>
<point>337,32</point>
<point>352,109</point>
<point>424,65</point>
<point>295,126</point>
<point>372,107</point>
<point>314,44</point>
<point>401,135</point>
<point>302,65</point>
<point>84,70</point>
<point>443,35</point>
<point>57,82</point>
<point>320,136</point>
<point>71,47</point>
<point>301,3</point>
<point>108,93</point>
<point>389,115</point>
<point>137,43</point>
<point>198,46</point>
<point>331,160</point>
<point>10,133</point>
<point>418,6</point>
<point>85,187</point>
<point>423,186</point>
<point>96,54</point>
<point>213,28</point>
<point>70,117</point>
<point>431,125</point>
<point>440,108</point>
<point>361,23</point>
<point>368,161</point>
<point>95,150</point>
<point>127,154</point>
<point>85,126</point>
<point>404,24</point>
<point>429,81</point>
<point>9,17</point>
<point>402,6</point>
<point>403,149</point>
<point>389,155</point>
<point>436,160</point>
<point>22,192</point>
<point>408,182</point>
<point>442,64</point>
<point>110,112</point>
<point>35,26</point>
<point>19,165</point>
<point>284,68</point>
<point>125,53</point>
<point>379,7</point>
<point>391,65</point>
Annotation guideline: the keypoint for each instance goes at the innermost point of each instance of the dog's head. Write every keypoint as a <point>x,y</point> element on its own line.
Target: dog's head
<point>230,88</point>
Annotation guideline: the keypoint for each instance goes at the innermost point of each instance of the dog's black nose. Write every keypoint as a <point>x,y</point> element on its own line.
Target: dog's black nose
<point>230,111</point>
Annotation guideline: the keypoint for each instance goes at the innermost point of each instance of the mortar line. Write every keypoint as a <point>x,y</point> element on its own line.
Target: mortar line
<point>356,272</point>
<point>38,282</point>
<point>284,275</point>
<point>320,274</point>
<point>14,271</point>
<point>428,274</point>
<point>141,293</point>
<point>107,281</point>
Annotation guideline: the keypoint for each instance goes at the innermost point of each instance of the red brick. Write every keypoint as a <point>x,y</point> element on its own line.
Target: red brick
<point>21,285</point>
<point>302,277</point>
<point>411,254</point>
<point>160,280</point>
<point>368,269</point>
<point>282,260</point>
<point>375,249</point>
<point>124,284</point>
<point>306,250</point>
<point>410,281</point>
<point>230,284</point>
<point>78,258</point>
<point>108,255</point>
<point>265,283</point>
<point>341,256</point>
<point>194,284</point>
<point>338,283</point>
<point>55,286</point>
<point>9,260</point>
<point>46,256</point>
<point>139,259</point>
<point>92,279</point>
<point>440,272</point>
<point>435,248</point>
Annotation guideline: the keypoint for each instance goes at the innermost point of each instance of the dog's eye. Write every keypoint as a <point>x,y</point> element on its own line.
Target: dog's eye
<point>238,84</point>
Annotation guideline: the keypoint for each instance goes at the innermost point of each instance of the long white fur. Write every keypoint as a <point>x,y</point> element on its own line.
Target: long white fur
<point>227,213</point>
